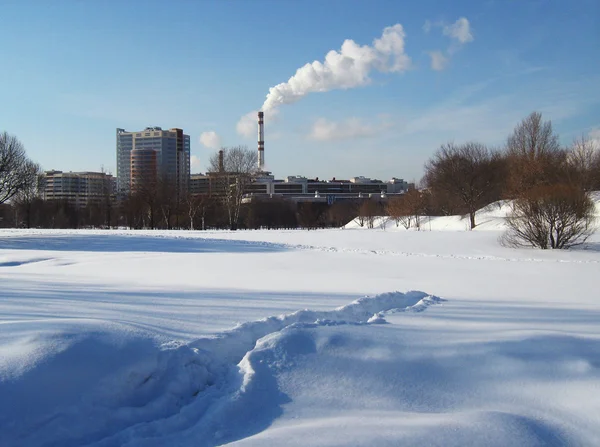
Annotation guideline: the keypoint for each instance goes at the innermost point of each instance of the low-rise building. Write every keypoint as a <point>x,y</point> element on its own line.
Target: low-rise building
<point>78,188</point>
<point>299,188</point>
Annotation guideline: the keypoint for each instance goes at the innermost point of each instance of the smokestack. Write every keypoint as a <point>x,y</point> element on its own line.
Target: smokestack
<point>221,163</point>
<point>261,141</point>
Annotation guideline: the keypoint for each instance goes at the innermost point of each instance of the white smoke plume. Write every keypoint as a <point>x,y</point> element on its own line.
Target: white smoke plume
<point>347,68</point>
<point>195,165</point>
<point>248,124</point>
<point>210,140</point>
<point>594,137</point>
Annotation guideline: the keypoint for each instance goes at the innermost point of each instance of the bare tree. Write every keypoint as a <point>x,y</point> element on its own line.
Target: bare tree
<point>310,214</point>
<point>555,216</point>
<point>584,158</point>
<point>145,196</point>
<point>407,209</point>
<point>360,217</point>
<point>340,213</point>
<point>168,198</point>
<point>535,155</point>
<point>239,166</point>
<point>108,197</point>
<point>197,204</point>
<point>16,170</point>
<point>368,210</point>
<point>25,198</point>
<point>469,172</point>
<point>395,209</point>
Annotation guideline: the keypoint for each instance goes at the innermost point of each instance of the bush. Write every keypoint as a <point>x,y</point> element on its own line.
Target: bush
<point>555,216</point>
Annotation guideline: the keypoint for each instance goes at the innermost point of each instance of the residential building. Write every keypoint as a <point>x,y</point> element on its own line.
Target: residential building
<point>152,154</point>
<point>78,188</point>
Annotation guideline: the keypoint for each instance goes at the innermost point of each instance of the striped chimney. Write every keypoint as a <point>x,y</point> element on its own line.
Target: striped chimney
<point>261,141</point>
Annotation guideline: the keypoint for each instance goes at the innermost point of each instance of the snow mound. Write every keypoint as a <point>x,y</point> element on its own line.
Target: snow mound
<point>110,387</point>
<point>489,218</point>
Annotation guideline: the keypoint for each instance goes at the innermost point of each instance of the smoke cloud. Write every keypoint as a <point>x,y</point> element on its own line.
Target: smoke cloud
<point>195,165</point>
<point>594,137</point>
<point>247,125</point>
<point>210,140</point>
<point>347,68</point>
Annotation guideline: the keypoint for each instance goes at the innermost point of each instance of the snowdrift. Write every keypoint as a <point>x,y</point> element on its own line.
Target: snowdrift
<point>488,218</point>
<point>123,338</point>
<point>115,387</point>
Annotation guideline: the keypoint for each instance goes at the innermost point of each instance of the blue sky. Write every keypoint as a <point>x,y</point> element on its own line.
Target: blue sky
<point>73,71</point>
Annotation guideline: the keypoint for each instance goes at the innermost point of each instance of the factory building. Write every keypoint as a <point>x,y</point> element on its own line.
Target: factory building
<point>295,188</point>
<point>78,188</point>
<point>298,188</point>
<point>301,188</point>
<point>145,156</point>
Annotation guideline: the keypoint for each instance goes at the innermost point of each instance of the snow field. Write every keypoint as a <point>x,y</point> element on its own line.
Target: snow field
<point>196,338</point>
<point>143,389</point>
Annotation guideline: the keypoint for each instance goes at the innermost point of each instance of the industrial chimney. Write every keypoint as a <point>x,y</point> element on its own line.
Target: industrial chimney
<point>261,141</point>
<point>221,164</point>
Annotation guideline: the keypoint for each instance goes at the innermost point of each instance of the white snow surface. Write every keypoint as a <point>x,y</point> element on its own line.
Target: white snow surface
<point>489,218</point>
<point>325,338</point>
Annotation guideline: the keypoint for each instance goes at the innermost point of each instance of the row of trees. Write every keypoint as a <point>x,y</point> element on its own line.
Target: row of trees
<point>157,203</point>
<point>193,212</point>
<point>547,183</point>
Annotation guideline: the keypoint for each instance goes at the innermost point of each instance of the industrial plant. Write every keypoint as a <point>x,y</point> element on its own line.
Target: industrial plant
<point>264,185</point>
<point>147,155</point>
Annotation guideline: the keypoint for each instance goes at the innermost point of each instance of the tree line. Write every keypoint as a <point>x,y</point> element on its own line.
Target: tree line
<point>157,202</point>
<point>192,212</point>
<point>547,183</point>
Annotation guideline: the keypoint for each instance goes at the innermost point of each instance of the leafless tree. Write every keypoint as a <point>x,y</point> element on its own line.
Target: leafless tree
<point>197,204</point>
<point>534,154</point>
<point>553,216</point>
<point>395,209</point>
<point>25,198</point>
<point>360,217</point>
<point>407,209</point>
<point>469,172</point>
<point>240,165</point>
<point>309,214</point>
<point>16,170</point>
<point>368,210</point>
<point>108,197</point>
<point>168,198</point>
<point>584,158</point>
<point>340,213</point>
<point>145,197</point>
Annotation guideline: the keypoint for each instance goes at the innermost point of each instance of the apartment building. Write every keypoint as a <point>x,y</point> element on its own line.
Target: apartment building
<point>144,157</point>
<point>78,188</point>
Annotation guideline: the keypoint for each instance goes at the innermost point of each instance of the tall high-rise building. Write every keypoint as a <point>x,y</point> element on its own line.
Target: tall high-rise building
<point>144,157</point>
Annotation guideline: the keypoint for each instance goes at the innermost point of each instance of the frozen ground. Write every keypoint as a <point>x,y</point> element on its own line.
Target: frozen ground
<point>180,339</point>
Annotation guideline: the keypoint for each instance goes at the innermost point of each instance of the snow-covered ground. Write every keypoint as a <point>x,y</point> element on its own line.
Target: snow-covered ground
<point>333,337</point>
